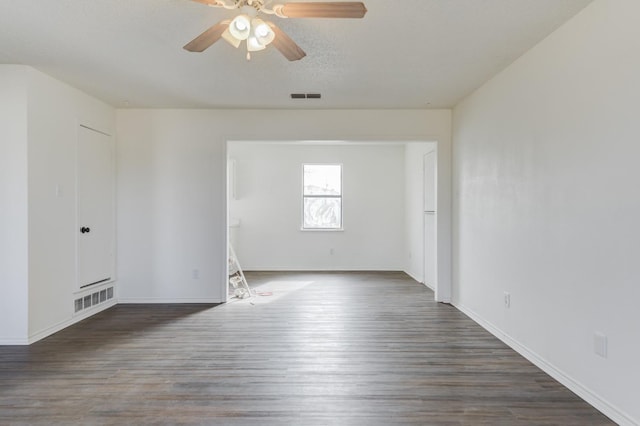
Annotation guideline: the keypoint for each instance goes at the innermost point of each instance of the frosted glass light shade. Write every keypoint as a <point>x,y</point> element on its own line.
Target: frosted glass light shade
<point>229,38</point>
<point>254,45</point>
<point>240,27</point>
<point>262,32</point>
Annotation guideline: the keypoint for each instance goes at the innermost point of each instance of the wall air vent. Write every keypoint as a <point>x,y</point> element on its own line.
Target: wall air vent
<point>306,96</point>
<point>92,299</point>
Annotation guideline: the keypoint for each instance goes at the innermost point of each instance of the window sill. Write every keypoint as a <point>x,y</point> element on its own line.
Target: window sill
<point>322,229</point>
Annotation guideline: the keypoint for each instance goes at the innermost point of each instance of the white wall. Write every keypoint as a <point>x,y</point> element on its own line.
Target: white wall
<point>547,205</point>
<point>414,207</point>
<point>55,112</point>
<point>13,205</point>
<point>171,185</point>
<point>269,201</point>
<point>40,120</point>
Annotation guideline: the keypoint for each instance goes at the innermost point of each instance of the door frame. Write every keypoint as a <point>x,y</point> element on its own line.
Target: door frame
<point>78,288</point>
<point>443,291</point>
<point>433,286</point>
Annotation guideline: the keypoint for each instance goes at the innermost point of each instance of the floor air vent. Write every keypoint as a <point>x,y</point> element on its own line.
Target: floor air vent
<point>92,299</point>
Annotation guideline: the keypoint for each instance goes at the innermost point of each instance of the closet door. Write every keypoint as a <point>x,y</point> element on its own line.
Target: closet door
<point>95,224</point>
<point>430,220</point>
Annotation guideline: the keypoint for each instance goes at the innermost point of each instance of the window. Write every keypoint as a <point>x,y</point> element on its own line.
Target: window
<point>321,196</point>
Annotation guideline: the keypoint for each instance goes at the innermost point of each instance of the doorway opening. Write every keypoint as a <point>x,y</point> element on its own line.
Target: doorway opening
<point>384,208</point>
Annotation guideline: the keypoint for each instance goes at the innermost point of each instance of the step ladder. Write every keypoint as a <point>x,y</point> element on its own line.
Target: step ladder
<point>237,281</point>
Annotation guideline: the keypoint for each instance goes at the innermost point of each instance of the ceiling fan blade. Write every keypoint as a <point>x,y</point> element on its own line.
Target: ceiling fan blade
<point>286,45</point>
<point>207,38</point>
<point>208,2</point>
<point>324,10</point>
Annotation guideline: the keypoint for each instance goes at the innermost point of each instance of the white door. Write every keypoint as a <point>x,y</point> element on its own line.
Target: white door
<point>95,224</point>
<point>430,182</point>
<point>430,220</point>
<point>430,254</point>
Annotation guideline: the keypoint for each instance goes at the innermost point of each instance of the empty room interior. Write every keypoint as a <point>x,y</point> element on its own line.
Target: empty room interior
<point>245,212</point>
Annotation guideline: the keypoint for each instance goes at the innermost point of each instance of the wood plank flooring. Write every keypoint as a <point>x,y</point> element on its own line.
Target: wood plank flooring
<point>358,348</point>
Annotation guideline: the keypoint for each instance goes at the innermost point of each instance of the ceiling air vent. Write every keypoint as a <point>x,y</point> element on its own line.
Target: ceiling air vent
<point>306,96</point>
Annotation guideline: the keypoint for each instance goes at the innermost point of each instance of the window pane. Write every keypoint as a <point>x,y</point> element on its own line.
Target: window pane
<point>322,179</point>
<point>322,213</point>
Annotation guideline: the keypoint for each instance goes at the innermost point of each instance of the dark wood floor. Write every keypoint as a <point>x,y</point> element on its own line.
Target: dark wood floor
<point>316,349</point>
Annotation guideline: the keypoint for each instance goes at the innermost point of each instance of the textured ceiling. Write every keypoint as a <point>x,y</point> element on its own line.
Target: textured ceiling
<point>403,54</point>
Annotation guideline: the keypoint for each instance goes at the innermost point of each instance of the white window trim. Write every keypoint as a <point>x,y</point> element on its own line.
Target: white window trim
<point>341,197</point>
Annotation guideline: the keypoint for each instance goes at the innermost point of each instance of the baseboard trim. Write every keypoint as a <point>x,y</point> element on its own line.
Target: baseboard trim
<point>14,342</point>
<point>416,279</point>
<point>146,300</point>
<point>575,386</point>
<point>327,269</point>
<point>69,322</point>
<point>39,335</point>
<point>413,277</point>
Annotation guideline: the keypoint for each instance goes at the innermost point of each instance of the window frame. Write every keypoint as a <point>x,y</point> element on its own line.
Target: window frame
<point>339,197</point>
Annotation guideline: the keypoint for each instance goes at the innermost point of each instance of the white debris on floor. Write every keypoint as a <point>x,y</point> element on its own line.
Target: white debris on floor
<point>237,281</point>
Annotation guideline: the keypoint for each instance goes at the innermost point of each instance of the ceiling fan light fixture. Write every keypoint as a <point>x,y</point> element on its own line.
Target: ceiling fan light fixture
<point>258,33</point>
<point>253,44</point>
<point>240,27</point>
<point>229,38</point>
<point>262,32</point>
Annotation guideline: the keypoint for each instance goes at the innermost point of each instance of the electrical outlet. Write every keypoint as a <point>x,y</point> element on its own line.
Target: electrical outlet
<point>195,274</point>
<point>507,299</point>
<point>600,344</point>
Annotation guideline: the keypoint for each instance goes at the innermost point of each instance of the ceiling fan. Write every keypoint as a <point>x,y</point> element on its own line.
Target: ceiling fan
<point>258,33</point>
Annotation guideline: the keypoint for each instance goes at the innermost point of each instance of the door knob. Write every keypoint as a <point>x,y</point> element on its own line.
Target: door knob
<point>85,229</point>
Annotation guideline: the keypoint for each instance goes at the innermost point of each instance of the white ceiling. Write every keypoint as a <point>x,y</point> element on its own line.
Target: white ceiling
<point>403,54</point>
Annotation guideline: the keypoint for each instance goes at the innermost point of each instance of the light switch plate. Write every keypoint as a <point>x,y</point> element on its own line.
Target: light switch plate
<point>600,344</point>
